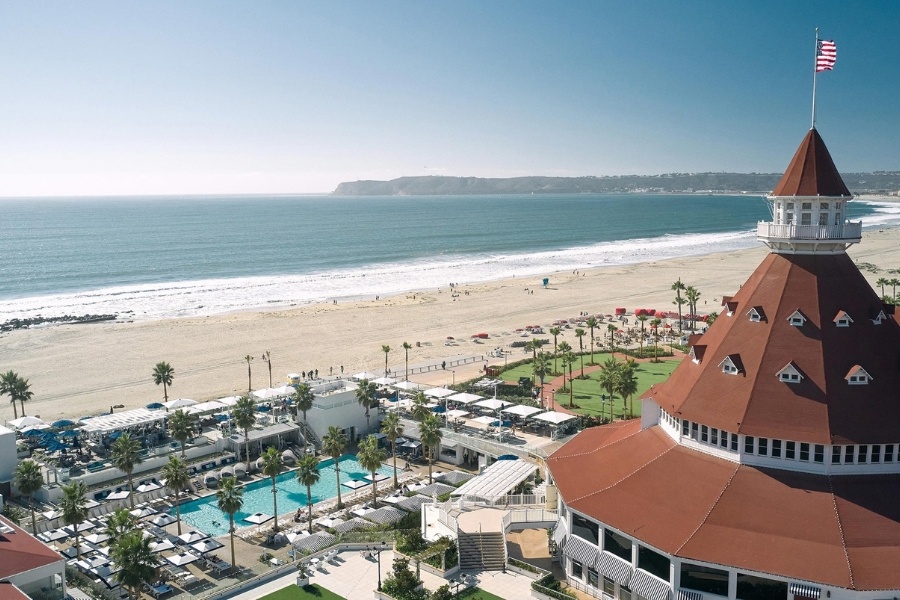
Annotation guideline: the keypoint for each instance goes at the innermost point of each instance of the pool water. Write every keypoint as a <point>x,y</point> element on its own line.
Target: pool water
<point>205,515</point>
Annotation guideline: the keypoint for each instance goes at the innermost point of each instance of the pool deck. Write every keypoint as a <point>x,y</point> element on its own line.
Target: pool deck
<point>355,578</point>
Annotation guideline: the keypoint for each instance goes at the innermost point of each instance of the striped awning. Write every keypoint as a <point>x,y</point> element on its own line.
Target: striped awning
<point>559,534</point>
<point>650,587</point>
<point>582,551</point>
<point>807,591</point>
<point>615,568</point>
<point>684,594</point>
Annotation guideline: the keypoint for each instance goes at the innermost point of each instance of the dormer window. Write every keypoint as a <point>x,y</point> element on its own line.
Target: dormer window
<point>756,314</point>
<point>797,319</point>
<point>730,307</point>
<point>732,364</point>
<point>858,376</point>
<point>879,317</point>
<point>696,353</point>
<point>842,319</point>
<point>790,374</point>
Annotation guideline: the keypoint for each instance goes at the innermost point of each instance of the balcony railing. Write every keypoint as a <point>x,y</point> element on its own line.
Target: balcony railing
<point>846,231</point>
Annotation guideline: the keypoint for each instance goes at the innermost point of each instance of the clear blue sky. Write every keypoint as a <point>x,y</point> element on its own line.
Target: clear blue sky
<point>297,96</point>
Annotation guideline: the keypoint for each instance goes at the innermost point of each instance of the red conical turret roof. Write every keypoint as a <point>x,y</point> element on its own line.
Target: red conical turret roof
<point>812,172</point>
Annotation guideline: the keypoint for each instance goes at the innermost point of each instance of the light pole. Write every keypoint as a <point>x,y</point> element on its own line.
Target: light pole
<point>378,552</point>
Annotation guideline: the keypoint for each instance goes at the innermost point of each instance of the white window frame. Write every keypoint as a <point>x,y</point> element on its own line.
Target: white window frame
<point>789,374</point>
<point>728,366</point>
<point>797,316</point>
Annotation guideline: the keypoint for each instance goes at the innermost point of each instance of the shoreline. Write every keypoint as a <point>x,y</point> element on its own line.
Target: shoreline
<point>75,371</point>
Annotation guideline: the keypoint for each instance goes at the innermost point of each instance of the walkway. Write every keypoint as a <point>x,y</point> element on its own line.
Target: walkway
<point>356,577</point>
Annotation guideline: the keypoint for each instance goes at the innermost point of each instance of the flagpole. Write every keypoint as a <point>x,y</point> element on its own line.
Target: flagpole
<point>815,71</point>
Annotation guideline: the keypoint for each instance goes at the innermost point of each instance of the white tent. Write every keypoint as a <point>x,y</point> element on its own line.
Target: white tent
<point>384,381</point>
<point>554,418</point>
<point>23,422</point>
<point>465,398</point>
<point>277,392</point>
<point>406,386</point>
<point>365,375</point>
<point>123,420</point>
<point>493,403</point>
<point>497,480</point>
<point>456,413</point>
<point>522,410</point>
<point>204,407</point>
<point>439,392</point>
<point>228,400</point>
<point>180,403</point>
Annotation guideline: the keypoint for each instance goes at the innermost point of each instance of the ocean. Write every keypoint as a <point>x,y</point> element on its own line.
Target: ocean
<point>151,258</point>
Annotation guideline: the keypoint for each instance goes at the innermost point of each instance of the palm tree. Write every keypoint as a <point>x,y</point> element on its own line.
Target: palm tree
<point>579,333</point>
<point>333,444</point>
<point>7,386</point>
<point>430,436</point>
<point>181,428</point>
<point>569,359</point>
<point>308,475</point>
<point>120,522</point>
<point>611,328</point>
<point>655,323</point>
<point>367,398</point>
<point>230,498</point>
<point>29,479</point>
<point>177,479</point>
<point>642,319</point>
<point>371,458</point>
<point>272,463</point>
<point>74,509</point>
<point>386,349</point>
<point>555,331</point>
<point>125,456</point>
<point>609,380</point>
<point>534,345</point>
<point>22,392</point>
<point>419,408</point>
<point>627,386</point>
<point>692,295</point>
<point>540,368</point>
<point>894,283</point>
<point>249,360</point>
<point>304,398</point>
<point>406,348</point>
<point>163,373</point>
<point>392,428</point>
<point>882,281</point>
<point>592,324</point>
<point>137,561</point>
<point>267,356</point>
<point>244,415</point>
<point>678,287</point>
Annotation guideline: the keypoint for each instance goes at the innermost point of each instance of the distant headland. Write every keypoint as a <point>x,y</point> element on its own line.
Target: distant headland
<point>878,182</point>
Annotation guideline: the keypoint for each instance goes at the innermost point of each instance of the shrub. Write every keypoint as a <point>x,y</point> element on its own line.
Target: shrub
<point>402,583</point>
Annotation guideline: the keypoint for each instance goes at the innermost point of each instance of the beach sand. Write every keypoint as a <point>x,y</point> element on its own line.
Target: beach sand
<point>77,370</point>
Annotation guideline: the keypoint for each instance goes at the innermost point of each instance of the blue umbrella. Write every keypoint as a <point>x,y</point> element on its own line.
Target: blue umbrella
<point>507,457</point>
<point>155,405</point>
<point>115,435</point>
<point>439,409</point>
<point>503,424</point>
<point>263,409</point>
<point>55,446</point>
<point>62,423</point>
<point>72,433</point>
<point>222,417</point>
<point>33,433</point>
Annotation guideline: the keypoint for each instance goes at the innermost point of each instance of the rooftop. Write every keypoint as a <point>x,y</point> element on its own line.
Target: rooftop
<point>812,172</point>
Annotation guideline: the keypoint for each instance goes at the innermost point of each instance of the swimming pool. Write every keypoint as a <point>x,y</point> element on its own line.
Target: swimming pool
<point>204,514</point>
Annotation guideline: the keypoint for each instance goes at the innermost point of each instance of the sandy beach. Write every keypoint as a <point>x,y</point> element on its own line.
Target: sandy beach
<point>84,369</point>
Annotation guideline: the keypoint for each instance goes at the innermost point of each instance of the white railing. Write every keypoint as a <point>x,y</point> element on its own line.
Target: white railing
<point>505,500</point>
<point>586,589</point>
<point>446,518</point>
<point>529,515</point>
<point>846,231</point>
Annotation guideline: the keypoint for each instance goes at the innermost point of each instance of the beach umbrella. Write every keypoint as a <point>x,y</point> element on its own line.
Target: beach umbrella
<point>439,410</point>
<point>192,536</point>
<point>258,518</point>
<point>264,408</point>
<point>207,545</point>
<point>33,432</point>
<point>55,446</point>
<point>221,418</point>
<point>161,546</point>
<point>62,423</point>
<point>71,433</point>
<point>162,520</point>
<point>155,406</point>
<point>183,558</point>
<point>23,422</point>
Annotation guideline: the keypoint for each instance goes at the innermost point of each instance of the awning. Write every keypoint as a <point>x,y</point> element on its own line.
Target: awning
<point>648,586</point>
<point>497,480</point>
<point>807,591</point>
<point>684,594</point>
<point>617,569</point>
<point>560,533</point>
<point>580,550</point>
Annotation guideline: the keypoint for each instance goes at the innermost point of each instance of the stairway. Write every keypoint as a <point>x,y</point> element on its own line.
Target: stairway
<point>482,551</point>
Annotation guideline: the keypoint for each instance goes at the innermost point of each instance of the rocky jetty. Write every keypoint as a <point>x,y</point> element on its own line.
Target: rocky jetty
<point>14,324</point>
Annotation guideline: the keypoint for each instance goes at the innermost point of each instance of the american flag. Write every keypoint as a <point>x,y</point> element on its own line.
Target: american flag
<point>826,54</point>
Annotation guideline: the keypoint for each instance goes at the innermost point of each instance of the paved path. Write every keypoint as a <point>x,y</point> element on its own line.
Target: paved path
<point>356,577</point>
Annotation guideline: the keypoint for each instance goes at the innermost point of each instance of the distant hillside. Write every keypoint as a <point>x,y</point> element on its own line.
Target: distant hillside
<point>688,183</point>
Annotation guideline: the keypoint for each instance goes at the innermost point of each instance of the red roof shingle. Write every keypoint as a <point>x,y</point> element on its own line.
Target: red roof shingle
<point>811,172</point>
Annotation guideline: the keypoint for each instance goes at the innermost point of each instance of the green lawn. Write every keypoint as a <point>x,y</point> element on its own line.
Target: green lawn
<point>587,393</point>
<point>477,594</point>
<point>310,592</point>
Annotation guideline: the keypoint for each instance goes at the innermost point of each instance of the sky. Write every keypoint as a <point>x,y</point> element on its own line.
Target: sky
<point>226,97</point>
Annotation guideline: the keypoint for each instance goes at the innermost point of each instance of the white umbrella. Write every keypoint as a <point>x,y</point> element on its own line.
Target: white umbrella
<point>179,403</point>
<point>141,512</point>
<point>439,392</point>
<point>192,536</point>
<point>161,546</point>
<point>182,559</point>
<point>229,400</point>
<point>163,520</point>
<point>493,403</point>
<point>120,495</point>
<point>406,386</point>
<point>207,545</point>
<point>22,422</point>
<point>147,487</point>
<point>365,375</point>
<point>384,381</point>
<point>554,417</point>
<point>465,397</point>
<point>96,538</point>
<point>457,413</point>
<point>522,410</point>
<point>258,518</point>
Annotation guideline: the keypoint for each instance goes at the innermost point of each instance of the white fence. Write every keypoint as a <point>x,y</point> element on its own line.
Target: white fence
<point>845,231</point>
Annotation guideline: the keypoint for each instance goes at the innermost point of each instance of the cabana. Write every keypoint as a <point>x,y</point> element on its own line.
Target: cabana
<point>384,381</point>
<point>138,417</point>
<point>205,407</point>
<point>439,392</point>
<point>554,418</point>
<point>179,403</point>
<point>497,480</point>
<point>272,393</point>
<point>273,435</point>
<point>522,410</point>
<point>465,398</point>
<point>492,403</point>
<point>407,386</point>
